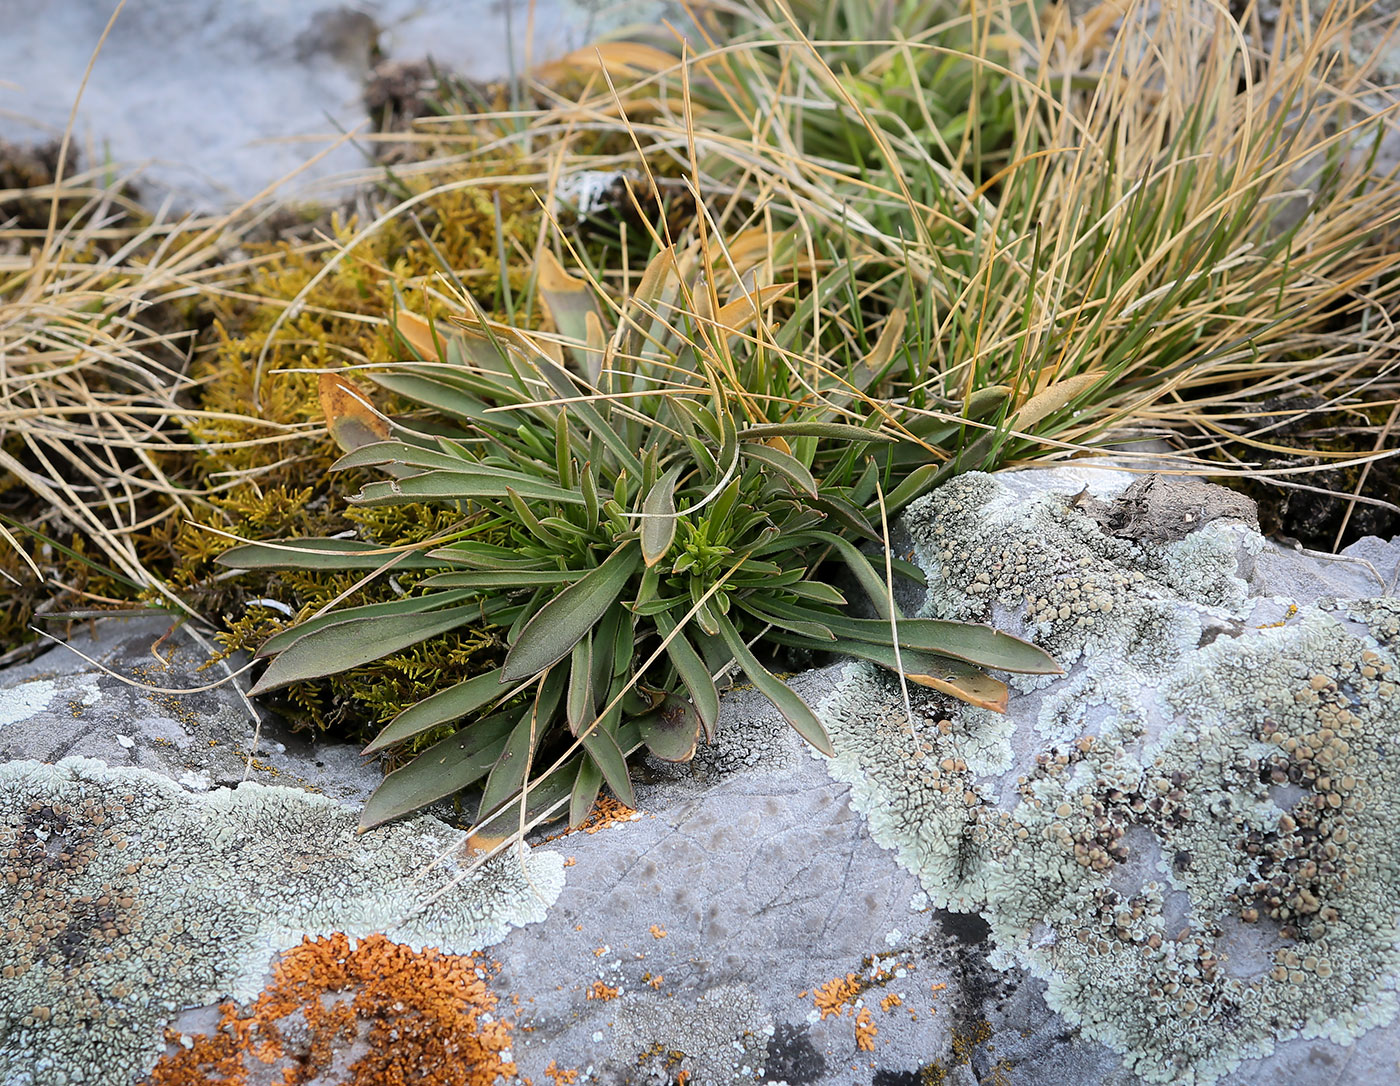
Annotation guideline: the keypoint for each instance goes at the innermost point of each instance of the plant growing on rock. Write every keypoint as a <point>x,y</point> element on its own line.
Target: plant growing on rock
<point>669,481</point>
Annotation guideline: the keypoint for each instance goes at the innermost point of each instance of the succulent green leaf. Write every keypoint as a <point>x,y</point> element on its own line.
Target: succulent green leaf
<point>320,554</point>
<point>343,645</point>
<point>818,592</point>
<point>581,705</point>
<point>973,642</point>
<point>461,486</point>
<point>693,673</point>
<point>440,708</point>
<point>783,463</point>
<point>587,784</point>
<point>859,565</point>
<point>550,635</point>
<point>504,580</point>
<point>659,517</point>
<point>487,556</point>
<point>397,452</point>
<point>788,618</point>
<point>440,396</point>
<point>563,458</point>
<point>444,768</point>
<point>672,731</point>
<point>370,612</point>
<point>836,431</point>
<point>507,776</point>
<point>784,699</point>
<point>603,749</point>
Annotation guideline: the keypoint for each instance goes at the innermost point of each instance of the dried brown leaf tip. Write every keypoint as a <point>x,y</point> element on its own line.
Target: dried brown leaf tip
<point>427,1010</point>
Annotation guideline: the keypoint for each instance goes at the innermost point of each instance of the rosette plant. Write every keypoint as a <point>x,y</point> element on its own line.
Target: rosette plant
<point>646,496</point>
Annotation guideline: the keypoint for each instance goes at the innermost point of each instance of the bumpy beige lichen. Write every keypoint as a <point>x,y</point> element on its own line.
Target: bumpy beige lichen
<point>1186,836</point>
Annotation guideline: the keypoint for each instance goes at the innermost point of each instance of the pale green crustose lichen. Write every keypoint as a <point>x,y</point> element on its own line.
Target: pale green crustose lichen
<point>126,899</point>
<point>1186,837</point>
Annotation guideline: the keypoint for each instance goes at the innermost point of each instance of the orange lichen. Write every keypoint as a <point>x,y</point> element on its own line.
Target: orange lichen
<point>865,1031</point>
<point>657,931</point>
<point>425,1017</point>
<point>602,991</point>
<point>560,1076</point>
<point>606,812</point>
<point>833,997</point>
<point>890,1001</point>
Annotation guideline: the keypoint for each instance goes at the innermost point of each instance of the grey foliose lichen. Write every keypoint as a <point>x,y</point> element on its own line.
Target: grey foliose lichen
<point>125,899</point>
<point>1190,836</point>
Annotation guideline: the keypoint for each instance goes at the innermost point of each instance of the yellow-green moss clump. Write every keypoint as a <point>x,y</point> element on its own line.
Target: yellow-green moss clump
<point>258,469</point>
<point>283,489</point>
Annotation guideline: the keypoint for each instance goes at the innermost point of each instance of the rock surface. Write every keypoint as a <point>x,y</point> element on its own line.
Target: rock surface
<point>1173,864</point>
<point>221,98</point>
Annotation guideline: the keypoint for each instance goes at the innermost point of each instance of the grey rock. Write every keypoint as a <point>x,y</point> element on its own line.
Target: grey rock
<point>1107,886</point>
<point>107,695</point>
<point>220,99</point>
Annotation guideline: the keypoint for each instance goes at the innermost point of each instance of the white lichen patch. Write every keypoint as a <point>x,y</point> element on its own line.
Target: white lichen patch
<point>127,899</point>
<point>23,701</point>
<point>1194,844</point>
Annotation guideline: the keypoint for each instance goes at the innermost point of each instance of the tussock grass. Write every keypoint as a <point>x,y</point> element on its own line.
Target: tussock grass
<point>1168,217</point>
<point>96,402</point>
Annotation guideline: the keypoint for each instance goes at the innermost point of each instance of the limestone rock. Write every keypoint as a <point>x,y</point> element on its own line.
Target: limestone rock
<point>1174,863</point>
<point>119,708</point>
<point>219,99</point>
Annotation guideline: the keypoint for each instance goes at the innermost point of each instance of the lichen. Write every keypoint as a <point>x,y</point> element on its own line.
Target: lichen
<point>1185,837</point>
<point>419,1016</point>
<point>721,1037</point>
<point>127,898</point>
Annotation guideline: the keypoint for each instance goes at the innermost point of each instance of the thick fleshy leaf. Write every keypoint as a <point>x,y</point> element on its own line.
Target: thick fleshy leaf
<point>461,486</point>
<point>860,565</point>
<point>816,591</point>
<point>694,674</point>
<point>788,618</point>
<point>603,749</point>
<point>477,555</point>
<point>587,785</point>
<point>672,731</point>
<point>837,431</point>
<point>444,768</point>
<point>785,700</point>
<point>580,705</point>
<point>440,708</point>
<point>413,605</point>
<point>783,463</point>
<point>973,642</point>
<point>503,579</point>
<point>558,626</point>
<point>659,517</point>
<point>439,395</point>
<point>949,676</point>
<point>382,453</point>
<point>507,776</point>
<point>343,645</point>
<point>321,553</point>
<point>350,416</point>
